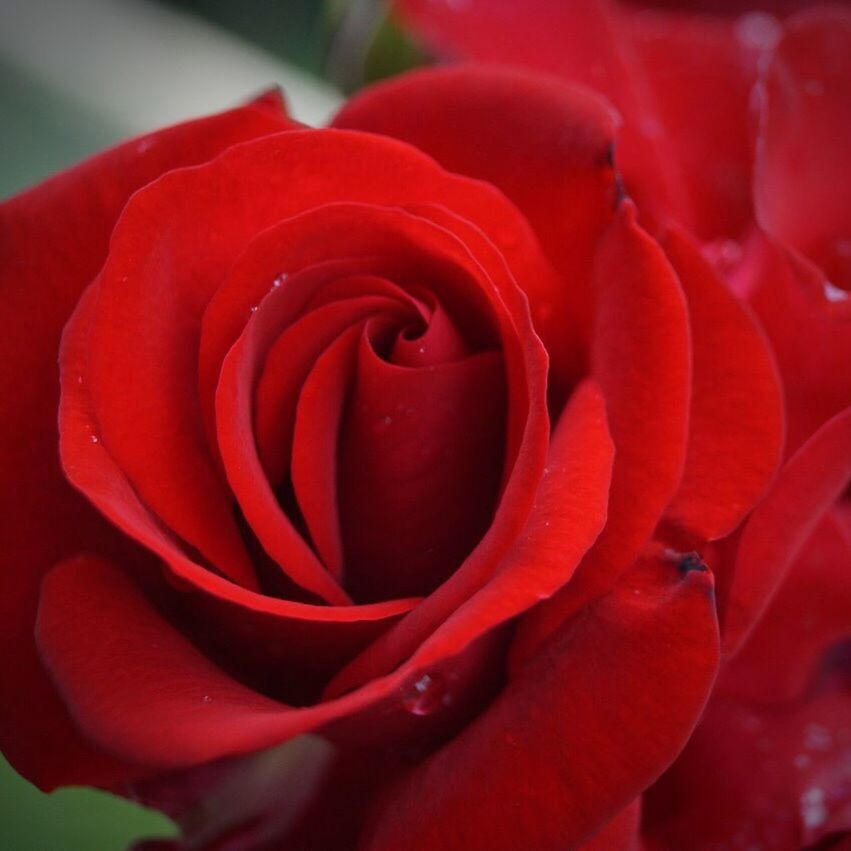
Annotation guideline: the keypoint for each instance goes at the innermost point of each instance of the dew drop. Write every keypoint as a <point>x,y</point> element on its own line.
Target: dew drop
<point>94,438</point>
<point>426,695</point>
<point>254,309</point>
<point>758,31</point>
<point>279,280</point>
<point>813,810</point>
<point>206,699</point>
<point>79,379</point>
<point>834,294</point>
<point>725,254</point>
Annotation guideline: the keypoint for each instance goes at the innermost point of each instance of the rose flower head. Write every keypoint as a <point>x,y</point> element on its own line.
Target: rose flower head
<point>384,461</point>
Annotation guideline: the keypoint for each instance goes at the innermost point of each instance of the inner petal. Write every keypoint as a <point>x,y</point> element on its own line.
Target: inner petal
<point>292,357</point>
<point>421,459</point>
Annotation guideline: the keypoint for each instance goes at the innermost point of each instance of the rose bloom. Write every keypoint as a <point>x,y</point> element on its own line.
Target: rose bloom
<point>737,127</point>
<point>379,494</point>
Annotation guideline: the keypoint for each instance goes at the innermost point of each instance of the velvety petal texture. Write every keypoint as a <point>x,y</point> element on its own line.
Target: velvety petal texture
<point>807,486</point>
<point>802,151</point>
<point>680,162</point>
<point>736,420</point>
<point>396,462</point>
<point>44,520</point>
<point>559,761</point>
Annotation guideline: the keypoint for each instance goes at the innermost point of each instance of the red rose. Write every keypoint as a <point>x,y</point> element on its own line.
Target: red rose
<point>412,453</point>
<point>738,128</point>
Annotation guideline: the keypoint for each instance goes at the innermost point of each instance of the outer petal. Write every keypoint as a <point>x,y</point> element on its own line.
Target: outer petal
<point>140,688</point>
<point>778,528</point>
<point>801,190</point>
<point>547,146</point>
<point>581,729</point>
<point>736,417</point>
<point>621,833</point>
<point>642,361</point>
<point>775,777</point>
<point>680,82</point>
<point>809,327</point>
<point>641,321</point>
<point>53,240</point>
<point>810,614</point>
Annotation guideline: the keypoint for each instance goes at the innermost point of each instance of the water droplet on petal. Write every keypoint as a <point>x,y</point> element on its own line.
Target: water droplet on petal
<point>94,438</point>
<point>725,254</point>
<point>279,280</point>
<point>254,309</point>
<point>813,810</point>
<point>426,695</point>
<point>834,294</point>
<point>206,699</point>
<point>758,31</point>
<point>79,379</point>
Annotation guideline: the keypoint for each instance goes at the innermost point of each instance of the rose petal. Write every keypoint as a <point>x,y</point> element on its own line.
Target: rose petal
<point>289,644</point>
<point>689,164</point>
<point>810,613</point>
<point>641,360</point>
<point>809,334</point>
<point>779,526</point>
<point>803,150</point>
<point>421,463</point>
<point>295,351</point>
<point>621,833</point>
<point>774,777</point>
<point>638,665</point>
<point>736,417</point>
<point>416,249</point>
<point>164,705</point>
<point>53,240</point>
<point>569,511</point>
<point>485,122</point>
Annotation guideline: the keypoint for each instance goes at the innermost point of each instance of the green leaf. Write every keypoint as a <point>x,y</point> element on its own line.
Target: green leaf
<point>71,819</point>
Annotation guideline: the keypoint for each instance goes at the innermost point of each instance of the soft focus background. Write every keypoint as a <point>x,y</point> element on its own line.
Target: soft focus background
<point>79,75</point>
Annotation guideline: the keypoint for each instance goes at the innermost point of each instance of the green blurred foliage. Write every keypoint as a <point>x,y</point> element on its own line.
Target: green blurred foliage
<point>392,52</point>
<point>71,819</point>
<point>294,30</point>
<point>42,133</point>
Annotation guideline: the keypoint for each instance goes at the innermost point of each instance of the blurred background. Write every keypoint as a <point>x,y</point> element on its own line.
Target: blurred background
<point>79,75</point>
